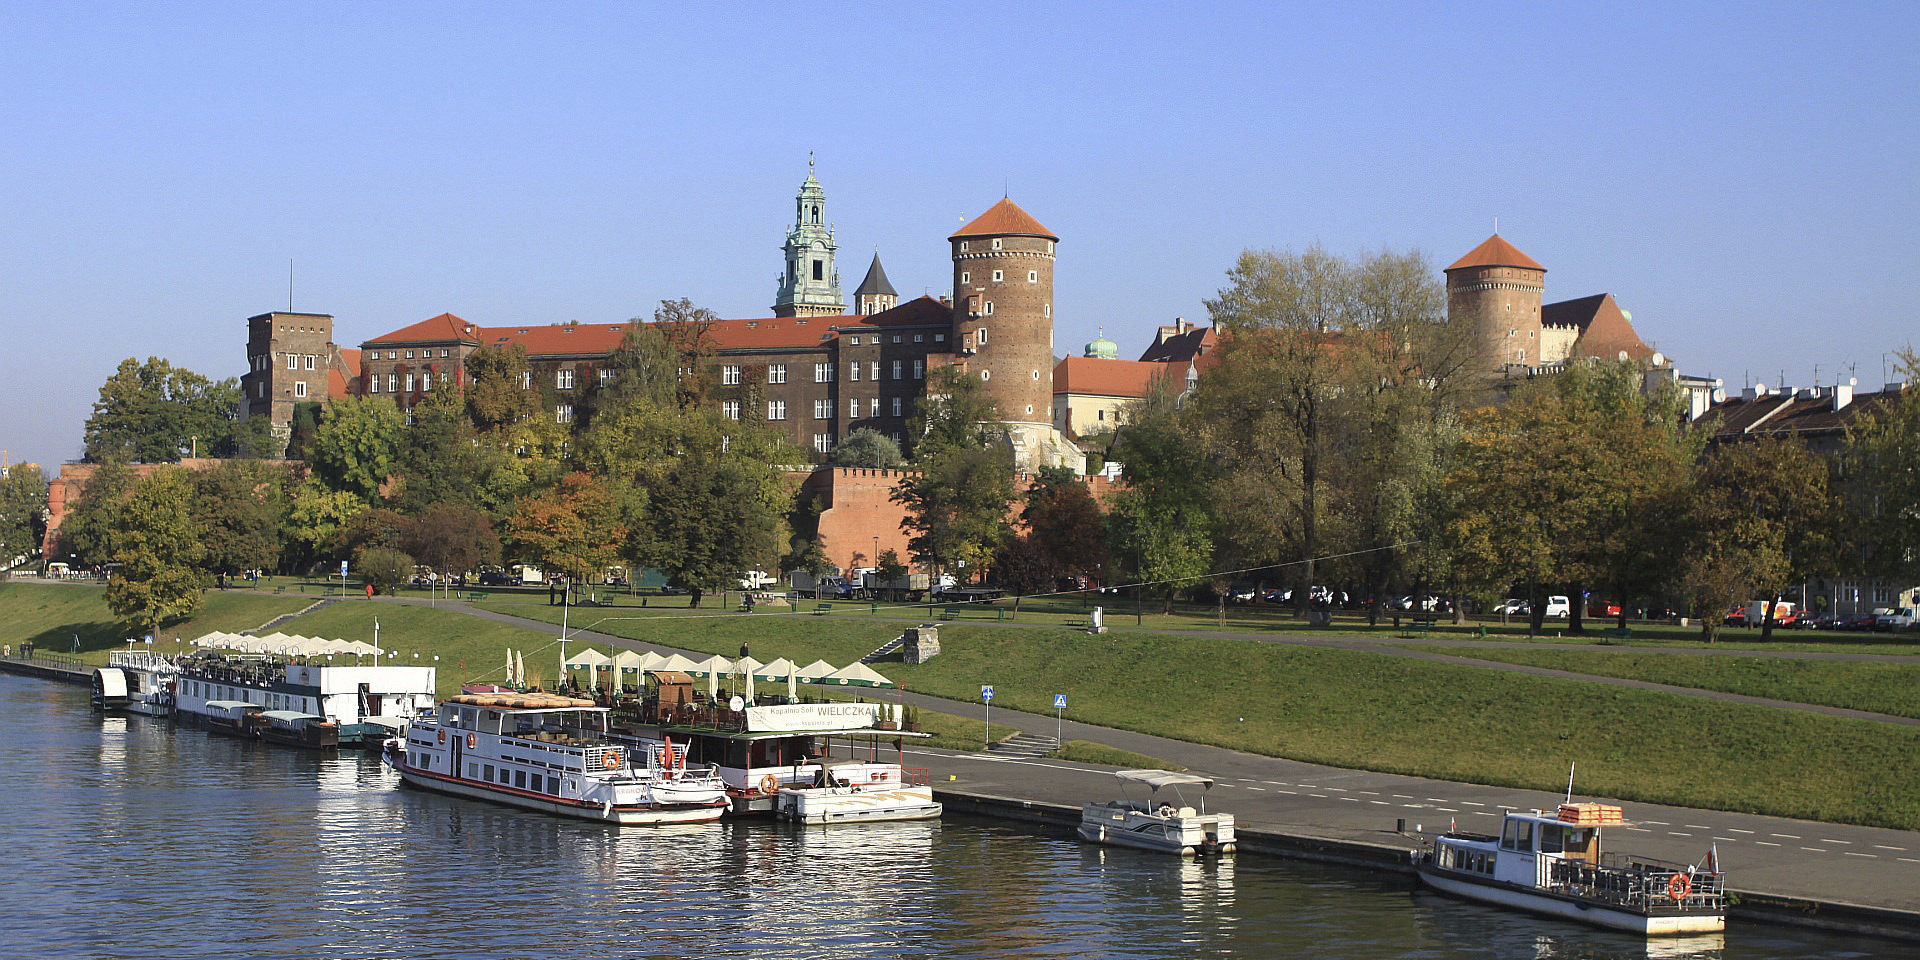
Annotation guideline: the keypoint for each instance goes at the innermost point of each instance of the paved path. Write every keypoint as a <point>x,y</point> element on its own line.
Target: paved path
<point>1864,865</point>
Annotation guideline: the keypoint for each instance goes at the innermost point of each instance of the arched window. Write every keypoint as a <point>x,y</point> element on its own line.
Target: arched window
<point>816,213</point>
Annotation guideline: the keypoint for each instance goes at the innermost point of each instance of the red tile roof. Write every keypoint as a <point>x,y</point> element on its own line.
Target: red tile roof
<point>350,358</point>
<point>559,340</point>
<point>1092,376</point>
<point>445,328</point>
<point>1605,331</point>
<point>1004,219</point>
<point>1496,252</point>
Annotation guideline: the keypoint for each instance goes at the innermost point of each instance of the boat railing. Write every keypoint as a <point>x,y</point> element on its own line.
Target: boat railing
<point>1637,883</point>
<point>916,777</point>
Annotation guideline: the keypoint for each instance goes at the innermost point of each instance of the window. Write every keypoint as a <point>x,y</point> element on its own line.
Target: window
<point>919,369</point>
<point>520,779</point>
<point>963,246</point>
<point>874,369</point>
<point>853,371</point>
<point>966,277</point>
<point>606,373</point>
<point>443,351</point>
<point>310,359</point>
<point>730,409</point>
<point>986,375</point>
<point>730,375</point>
<point>980,337</point>
<point>1036,374</point>
<point>489,776</point>
<point>776,373</point>
<point>526,379</point>
<point>1029,408</point>
<point>822,442</point>
<point>393,383</point>
<point>1100,414</point>
<point>823,409</point>
<point>855,341</point>
<point>823,373</point>
<point>409,383</point>
<point>1033,276</point>
<point>776,409</point>
<point>293,361</point>
<point>426,382</point>
<point>873,407</point>
<point>939,338</point>
<point>989,309</point>
<point>898,367</point>
<point>299,388</point>
<point>896,338</point>
<point>916,337</point>
<point>1046,310</point>
<point>996,243</point>
<point>409,354</point>
<point>553,785</point>
<point>373,384</point>
<point>819,270</point>
<point>896,406</point>
<point>563,413</point>
<point>998,276</point>
<point>563,379</point>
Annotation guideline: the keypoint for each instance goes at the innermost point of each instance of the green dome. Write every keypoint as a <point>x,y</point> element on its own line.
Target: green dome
<point>1103,349</point>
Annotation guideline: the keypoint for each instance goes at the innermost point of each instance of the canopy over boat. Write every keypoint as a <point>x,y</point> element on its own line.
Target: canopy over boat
<point>1164,778</point>
<point>521,701</point>
<point>289,716</point>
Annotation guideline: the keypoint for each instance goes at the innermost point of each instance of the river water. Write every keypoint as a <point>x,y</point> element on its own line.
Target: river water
<point>126,838</point>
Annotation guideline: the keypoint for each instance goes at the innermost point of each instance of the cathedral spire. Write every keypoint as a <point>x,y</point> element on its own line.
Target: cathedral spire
<point>810,287</point>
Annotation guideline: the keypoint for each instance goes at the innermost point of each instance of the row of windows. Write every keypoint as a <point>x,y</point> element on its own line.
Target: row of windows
<point>917,338</point>
<point>996,245</point>
<point>515,778</point>
<point>395,383</point>
<point>999,276</point>
<point>777,409</point>
<point>425,353</point>
<point>295,361</point>
<point>730,374</point>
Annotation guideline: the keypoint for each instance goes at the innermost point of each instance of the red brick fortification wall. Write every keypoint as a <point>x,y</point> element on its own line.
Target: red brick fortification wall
<point>859,507</point>
<point>65,490</point>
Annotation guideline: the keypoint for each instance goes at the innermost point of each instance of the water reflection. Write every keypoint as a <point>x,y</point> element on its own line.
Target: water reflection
<point>136,840</point>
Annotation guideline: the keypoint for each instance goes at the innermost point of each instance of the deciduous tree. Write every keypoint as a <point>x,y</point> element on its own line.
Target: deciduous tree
<point>160,552</point>
<point>354,449</point>
<point>154,412</point>
<point>1883,463</point>
<point>23,511</point>
<point>866,447</point>
<point>574,528</point>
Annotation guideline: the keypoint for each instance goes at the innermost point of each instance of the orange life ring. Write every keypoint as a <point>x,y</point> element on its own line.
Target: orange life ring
<point>1678,886</point>
<point>879,775</point>
<point>471,741</point>
<point>440,737</point>
<point>611,760</point>
<point>769,784</point>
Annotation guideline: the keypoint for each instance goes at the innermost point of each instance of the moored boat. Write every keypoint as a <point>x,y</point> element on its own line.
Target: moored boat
<point>135,682</point>
<point>295,729</point>
<point>552,754</point>
<point>1153,823</point>
<point>856,792</point>
<point>1552,864</point>
<point>365,703</point>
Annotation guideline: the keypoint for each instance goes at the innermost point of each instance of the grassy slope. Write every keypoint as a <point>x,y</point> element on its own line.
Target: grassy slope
<point>1891,688</point>
<point>1380,712</point>
<point>50,616</point>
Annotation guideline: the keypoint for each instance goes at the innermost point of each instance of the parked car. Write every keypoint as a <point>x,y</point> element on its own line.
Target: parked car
<point>1559,607</point>
<point>495,578</point>
<point>1900,618</point>
<point>1241,592</point>
<point>1512,607</point>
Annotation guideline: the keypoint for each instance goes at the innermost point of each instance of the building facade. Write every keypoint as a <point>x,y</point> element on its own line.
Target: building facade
<point>292,359</point>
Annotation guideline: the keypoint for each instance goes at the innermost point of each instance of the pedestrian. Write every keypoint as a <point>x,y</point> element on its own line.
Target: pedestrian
<point>743,646</point>
<point>369,591</point>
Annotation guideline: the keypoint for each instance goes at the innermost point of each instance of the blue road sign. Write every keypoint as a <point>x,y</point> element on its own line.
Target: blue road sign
<point>986,693</point>
<point>343,569</point>
<point>1059,701</point>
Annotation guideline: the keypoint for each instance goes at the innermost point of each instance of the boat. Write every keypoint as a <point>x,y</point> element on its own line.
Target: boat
<point>1552,864</point>
<point>551,753</point>
<point>1154,824</point>
<point>367,703</point>
<point>231,717</point>
<point>764,746</point>
<point>134,682</point>
<point>855,791</point>
<point>294,729</point>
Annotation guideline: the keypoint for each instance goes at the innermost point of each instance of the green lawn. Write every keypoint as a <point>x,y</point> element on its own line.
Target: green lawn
<point>1891,688</point>
<point>51,615</point>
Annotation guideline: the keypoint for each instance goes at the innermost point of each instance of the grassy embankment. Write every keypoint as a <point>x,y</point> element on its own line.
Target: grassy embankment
<point>1378,712</point>
<point>1890,688</point>
<point>52,615</point>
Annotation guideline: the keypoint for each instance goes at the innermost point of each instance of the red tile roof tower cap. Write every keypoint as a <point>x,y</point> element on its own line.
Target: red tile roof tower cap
<point>1004,219</point>
<point>1496,252</point>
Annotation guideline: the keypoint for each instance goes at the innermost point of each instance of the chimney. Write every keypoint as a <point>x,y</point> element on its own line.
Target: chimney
<point>1842,395</point>
<point>1751,393</point>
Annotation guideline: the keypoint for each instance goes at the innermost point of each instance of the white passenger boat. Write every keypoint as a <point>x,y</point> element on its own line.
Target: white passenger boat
<point>1552,864</point>
<point>759,748</point>
<point>135,682</point>
<point>1154,823</point>
<point>854,791</point>
<point>366,703</point>
<point>551,753</point>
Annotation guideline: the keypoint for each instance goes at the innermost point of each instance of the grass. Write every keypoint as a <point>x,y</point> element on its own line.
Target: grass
<point>469,648</point>
<point>1081,751</point>
<point>52,615</point>
<point>1890,688</point>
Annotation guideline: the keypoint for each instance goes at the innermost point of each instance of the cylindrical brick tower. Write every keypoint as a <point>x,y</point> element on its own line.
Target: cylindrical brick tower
<point>1003,317</point>
<point>1497,289</point>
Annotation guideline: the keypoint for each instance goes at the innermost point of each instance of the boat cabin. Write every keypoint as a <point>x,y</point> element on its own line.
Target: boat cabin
<point>1560,854</point>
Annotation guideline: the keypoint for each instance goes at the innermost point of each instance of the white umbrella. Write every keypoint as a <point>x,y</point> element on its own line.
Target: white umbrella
<point>815,672</point>
<point>509,667</point>
<point>677,664</point>
<point>715,664</point>
<point>744,668</point>
<point>859,674</point>
<point>793,681</point>
<point>777,670</point>
<point>519,669</point>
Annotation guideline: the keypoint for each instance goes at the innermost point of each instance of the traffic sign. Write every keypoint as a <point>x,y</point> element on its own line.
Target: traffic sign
<point>986,693</point>
<point>1059,701</point>
<point>343,569</point>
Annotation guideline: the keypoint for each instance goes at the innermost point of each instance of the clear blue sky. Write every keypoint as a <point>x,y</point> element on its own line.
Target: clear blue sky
<point>1742,177</point>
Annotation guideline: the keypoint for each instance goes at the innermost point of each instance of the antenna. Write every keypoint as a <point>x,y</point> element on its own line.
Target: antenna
<point>289,284</point>
<point>1496,225</point>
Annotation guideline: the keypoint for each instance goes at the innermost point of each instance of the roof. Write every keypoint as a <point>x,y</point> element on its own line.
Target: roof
<point>1605,329</point>
<point>1164,778</point>
<point>1496,252</point>
<point>1004,219</point>
<point>1114,378</point>
<point>445,328</point>
<point>876,281</point>
<point>559,340</point>
<point>1795,414</point>
<point>1181,346</point>
<point>350,359</point>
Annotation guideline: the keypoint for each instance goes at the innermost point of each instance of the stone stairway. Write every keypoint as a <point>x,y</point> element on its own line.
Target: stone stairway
<point>886,650</point>
<point>1025,745</point>
<point>276,621</point>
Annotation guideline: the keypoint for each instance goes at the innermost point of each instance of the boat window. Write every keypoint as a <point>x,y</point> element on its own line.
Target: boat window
<point>520,779</point>
<point>1550,835</point>
<point>553,785</point>
<point>489,776</point>
<point>1517,836</point>
<point>490,721</point>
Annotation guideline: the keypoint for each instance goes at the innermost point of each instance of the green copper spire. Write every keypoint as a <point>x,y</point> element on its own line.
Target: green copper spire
<point>811,285</point>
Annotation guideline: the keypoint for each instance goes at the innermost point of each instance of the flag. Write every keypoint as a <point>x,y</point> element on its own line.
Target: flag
<point>1713,859</point>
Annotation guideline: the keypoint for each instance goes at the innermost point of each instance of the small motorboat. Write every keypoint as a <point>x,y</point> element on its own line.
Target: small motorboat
<point>1157,822</point>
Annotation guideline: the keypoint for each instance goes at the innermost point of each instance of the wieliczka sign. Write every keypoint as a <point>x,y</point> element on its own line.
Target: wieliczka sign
<point>813,716</point>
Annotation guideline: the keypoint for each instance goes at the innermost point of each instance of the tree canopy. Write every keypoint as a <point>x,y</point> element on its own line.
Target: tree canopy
<point>154,412</point>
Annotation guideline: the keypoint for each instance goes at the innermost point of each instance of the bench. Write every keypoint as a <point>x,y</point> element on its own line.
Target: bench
<point>820,609</point>
<point>476,595</point>
<point>955,613</point>
<point>1419,624</point>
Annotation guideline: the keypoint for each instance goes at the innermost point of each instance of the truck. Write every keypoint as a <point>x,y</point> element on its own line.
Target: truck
<point>1784,614</point>
<point>1898,618</point>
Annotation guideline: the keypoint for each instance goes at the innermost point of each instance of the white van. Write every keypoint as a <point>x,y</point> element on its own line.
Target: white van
<point>1559,607</point>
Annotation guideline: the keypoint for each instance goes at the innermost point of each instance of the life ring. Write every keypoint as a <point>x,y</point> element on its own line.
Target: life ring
<point>769,784</point>
<point>1678,886</point>
<point>472,741</point>
<point>440,737</point>
<point>878,775</point>
<point>611,760</point>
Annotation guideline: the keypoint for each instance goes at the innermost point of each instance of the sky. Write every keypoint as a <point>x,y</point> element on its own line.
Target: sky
<point>1743,178</point>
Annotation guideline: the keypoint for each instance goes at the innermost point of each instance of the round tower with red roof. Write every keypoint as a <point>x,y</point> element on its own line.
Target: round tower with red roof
<point>1003,320</point>
<point>1497,288</point>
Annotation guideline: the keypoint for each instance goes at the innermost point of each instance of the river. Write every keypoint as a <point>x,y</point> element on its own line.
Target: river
<point>127,838</point>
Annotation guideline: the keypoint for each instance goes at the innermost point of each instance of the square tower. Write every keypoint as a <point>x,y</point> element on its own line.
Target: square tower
<point>289,358</point>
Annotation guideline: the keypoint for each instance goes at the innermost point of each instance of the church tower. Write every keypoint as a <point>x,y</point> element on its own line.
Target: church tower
<point>1497,289</point>
<point>875,293</point>
<point>1003,321</point>
<point>811,285</point>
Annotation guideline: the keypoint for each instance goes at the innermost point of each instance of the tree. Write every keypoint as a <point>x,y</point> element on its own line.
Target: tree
<point>154,412</point>
<point>354,449</point>
<point>1064,522</point>
<point>688,332</point>
<point>1159,524</point>
<point>89,532</point>
<point>499,391</point>
<point>1883,462</point>
<point>241,507</point>
<point>574,528</point>
<point>866,447</point>
<point>888,567</point>
<point>23,511</point>
<point>1022,566</point>
<point>383,568</point>
<point>643,370</point>
<point>442,459</point>
<point>315,518</point>
<point>714,516</point>
<point>451,538</point>
<point>957,499</point>
<point>160,551</point>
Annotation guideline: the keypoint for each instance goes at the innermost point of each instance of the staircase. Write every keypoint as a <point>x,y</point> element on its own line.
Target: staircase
<point>1028,746</point>
<point>276,621</point>
<point>886,650</point>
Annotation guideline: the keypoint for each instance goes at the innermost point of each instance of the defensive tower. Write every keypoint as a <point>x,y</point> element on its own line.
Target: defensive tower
<point>1497,289</point>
